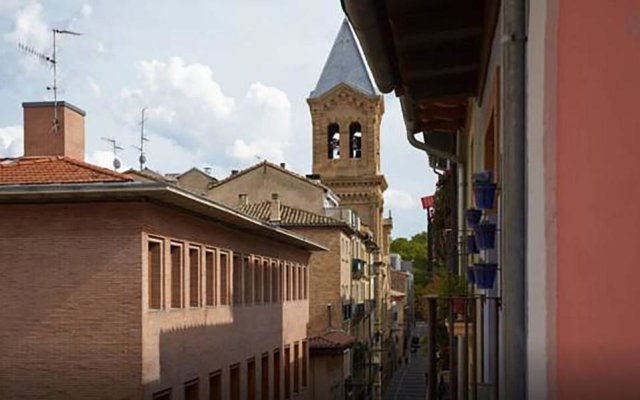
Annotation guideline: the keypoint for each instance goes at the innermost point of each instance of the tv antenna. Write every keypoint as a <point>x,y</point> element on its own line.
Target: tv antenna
<point>52,61</point>
<point>143,158</point>
<point>114,148</point>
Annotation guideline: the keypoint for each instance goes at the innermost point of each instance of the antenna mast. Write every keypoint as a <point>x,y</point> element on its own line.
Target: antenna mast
<point>143,158</point>
<point>52,62</point>
<point>114,147</point>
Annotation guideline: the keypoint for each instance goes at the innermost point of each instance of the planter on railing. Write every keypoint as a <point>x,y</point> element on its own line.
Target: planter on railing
<point>485,235</point>
<point>485,274</point>
<point>473,217</point>
<point>472,247</point>
<point>484,194</point>
<point>471,276</point>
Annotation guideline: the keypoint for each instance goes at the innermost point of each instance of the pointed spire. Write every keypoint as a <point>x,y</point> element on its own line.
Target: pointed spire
<point>344,65</point>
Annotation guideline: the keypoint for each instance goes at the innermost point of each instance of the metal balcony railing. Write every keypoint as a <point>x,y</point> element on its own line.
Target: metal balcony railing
<point>463,337</point>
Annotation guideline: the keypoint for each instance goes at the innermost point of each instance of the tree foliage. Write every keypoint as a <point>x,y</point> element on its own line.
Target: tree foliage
<point>414,249</point>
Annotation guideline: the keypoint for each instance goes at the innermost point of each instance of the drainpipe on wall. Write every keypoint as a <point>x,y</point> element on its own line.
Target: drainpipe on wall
<point>513,380</point>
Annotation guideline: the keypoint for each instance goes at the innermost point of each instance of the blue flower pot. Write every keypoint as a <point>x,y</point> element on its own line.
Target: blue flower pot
<point>484,194</point>
<point>485,235</point>
<point>482,177</point>
<point>472,247</point>
<point>473,217</point>
<point>485,274</point>
<point>471,276</point>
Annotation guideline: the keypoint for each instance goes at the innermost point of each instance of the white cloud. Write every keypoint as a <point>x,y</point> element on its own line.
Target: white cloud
<point>86,10</point>
<point>95,88</point>
<point>399,200</point>
<point>100,48</point>
<point>30,27</point>
<point>188,107</point>
<point>11,141</point>
<point>193,81</point>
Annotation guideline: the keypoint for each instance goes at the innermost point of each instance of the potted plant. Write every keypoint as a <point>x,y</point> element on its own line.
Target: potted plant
<point>485,274</point>
<point>454,287</point>
<point>473,216</point>
<point>472,247</point>
<point>485,235</point>
<point>484,191</point>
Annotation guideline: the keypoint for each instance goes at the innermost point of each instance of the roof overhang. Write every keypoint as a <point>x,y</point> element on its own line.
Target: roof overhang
<point>155,192</point>
<point>432,53</point>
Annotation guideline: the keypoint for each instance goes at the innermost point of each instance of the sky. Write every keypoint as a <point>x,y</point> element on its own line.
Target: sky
<point>224,83</point>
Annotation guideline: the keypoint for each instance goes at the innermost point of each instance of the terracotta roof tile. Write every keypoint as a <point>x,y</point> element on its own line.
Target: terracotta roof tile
<point>53,169</point>
<point>331,340</point>
<point>289,216</point>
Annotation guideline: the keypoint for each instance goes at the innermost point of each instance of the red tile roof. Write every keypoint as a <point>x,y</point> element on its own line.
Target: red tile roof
<point>54,169</point>
<point>334,340</point>
<point>289,216</point>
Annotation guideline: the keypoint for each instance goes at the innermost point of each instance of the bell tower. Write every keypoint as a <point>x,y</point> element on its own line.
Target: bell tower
<point>346,112</point>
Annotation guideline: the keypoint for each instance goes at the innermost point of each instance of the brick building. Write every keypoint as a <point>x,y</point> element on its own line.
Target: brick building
<point>119,288</point>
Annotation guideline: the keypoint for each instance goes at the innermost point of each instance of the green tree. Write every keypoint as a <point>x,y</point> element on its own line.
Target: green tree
<point>414,249</point>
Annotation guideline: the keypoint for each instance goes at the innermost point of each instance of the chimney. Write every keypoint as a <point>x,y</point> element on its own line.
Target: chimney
<point>42,138</point>
<point>283,165</point>
<point>234,171</point>
<point>275,208</point>
<point>243,199</point>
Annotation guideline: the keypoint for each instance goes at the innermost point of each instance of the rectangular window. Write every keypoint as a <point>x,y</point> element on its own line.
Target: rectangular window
<point>304,363</point>
<point>234,382</point>
<point>237,279</point>
<point>195,288</point>
<point>289,289</point>
<point>281,274</point>
<point>305,279</point>
<point>257,285</point>
<point>276,374</point>
<point>275,287</point>
<point>163,395</point>
<point>248,279</point>
<point>177,274</point>
<point>210,277</point>
<point>192,390</point>
<point>155,278</point>
<point>251,379</point>
<point>264,377</point>
<point>296,367</point>
<point>300,279</point>
<point>224,279</point>
<point>287,372</point>
<point>294,279</point>
<point>266,294</point>
<point>215,386</point>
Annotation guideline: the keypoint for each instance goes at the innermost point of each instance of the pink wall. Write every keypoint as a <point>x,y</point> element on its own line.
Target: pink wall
<point>598,199</point>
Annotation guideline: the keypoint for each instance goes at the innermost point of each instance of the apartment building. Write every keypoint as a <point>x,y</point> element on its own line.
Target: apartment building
<point>119,288</point>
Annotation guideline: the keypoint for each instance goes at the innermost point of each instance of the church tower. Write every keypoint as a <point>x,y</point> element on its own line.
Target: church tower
<point>346,112</point>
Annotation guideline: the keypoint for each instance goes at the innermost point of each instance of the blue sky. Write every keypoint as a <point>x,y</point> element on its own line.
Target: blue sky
<point>225,83</point>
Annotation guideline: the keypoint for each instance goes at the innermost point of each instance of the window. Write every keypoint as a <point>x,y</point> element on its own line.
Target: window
<point>275,287</point>
<point>215,385</point>
<point>305,281</point>
<point>276,374</point>
<point>264,377</point>
<point>333,141</point>
<point>195,288</point>
<point>248,279</point>
<point>287,372</point>
<point>294,282</point>
<point>251,379</point>
<point>163,395</point>
<point>210,277</point>
<point>266,290</point>
<point>177,274</point>
<point>224,279</point>
<point>257,286</point>
<point>304,363</point>
<point>281,274</point>
<point>192,390</point>
<point>355,140</point>
<point>300,282</point>
<point>296,367</point>
<point>155,278</point>
<point>234,382</point>
<point>237,279</point>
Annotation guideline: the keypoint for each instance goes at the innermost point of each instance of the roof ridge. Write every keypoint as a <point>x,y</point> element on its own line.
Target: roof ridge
<point>93,167</point>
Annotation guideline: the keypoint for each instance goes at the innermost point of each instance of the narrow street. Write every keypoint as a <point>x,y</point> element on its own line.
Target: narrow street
<point>409,381</point>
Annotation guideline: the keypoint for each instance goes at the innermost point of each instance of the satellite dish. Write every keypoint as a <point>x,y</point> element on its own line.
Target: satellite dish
<point>142,159</point>
<point>116,164</point>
